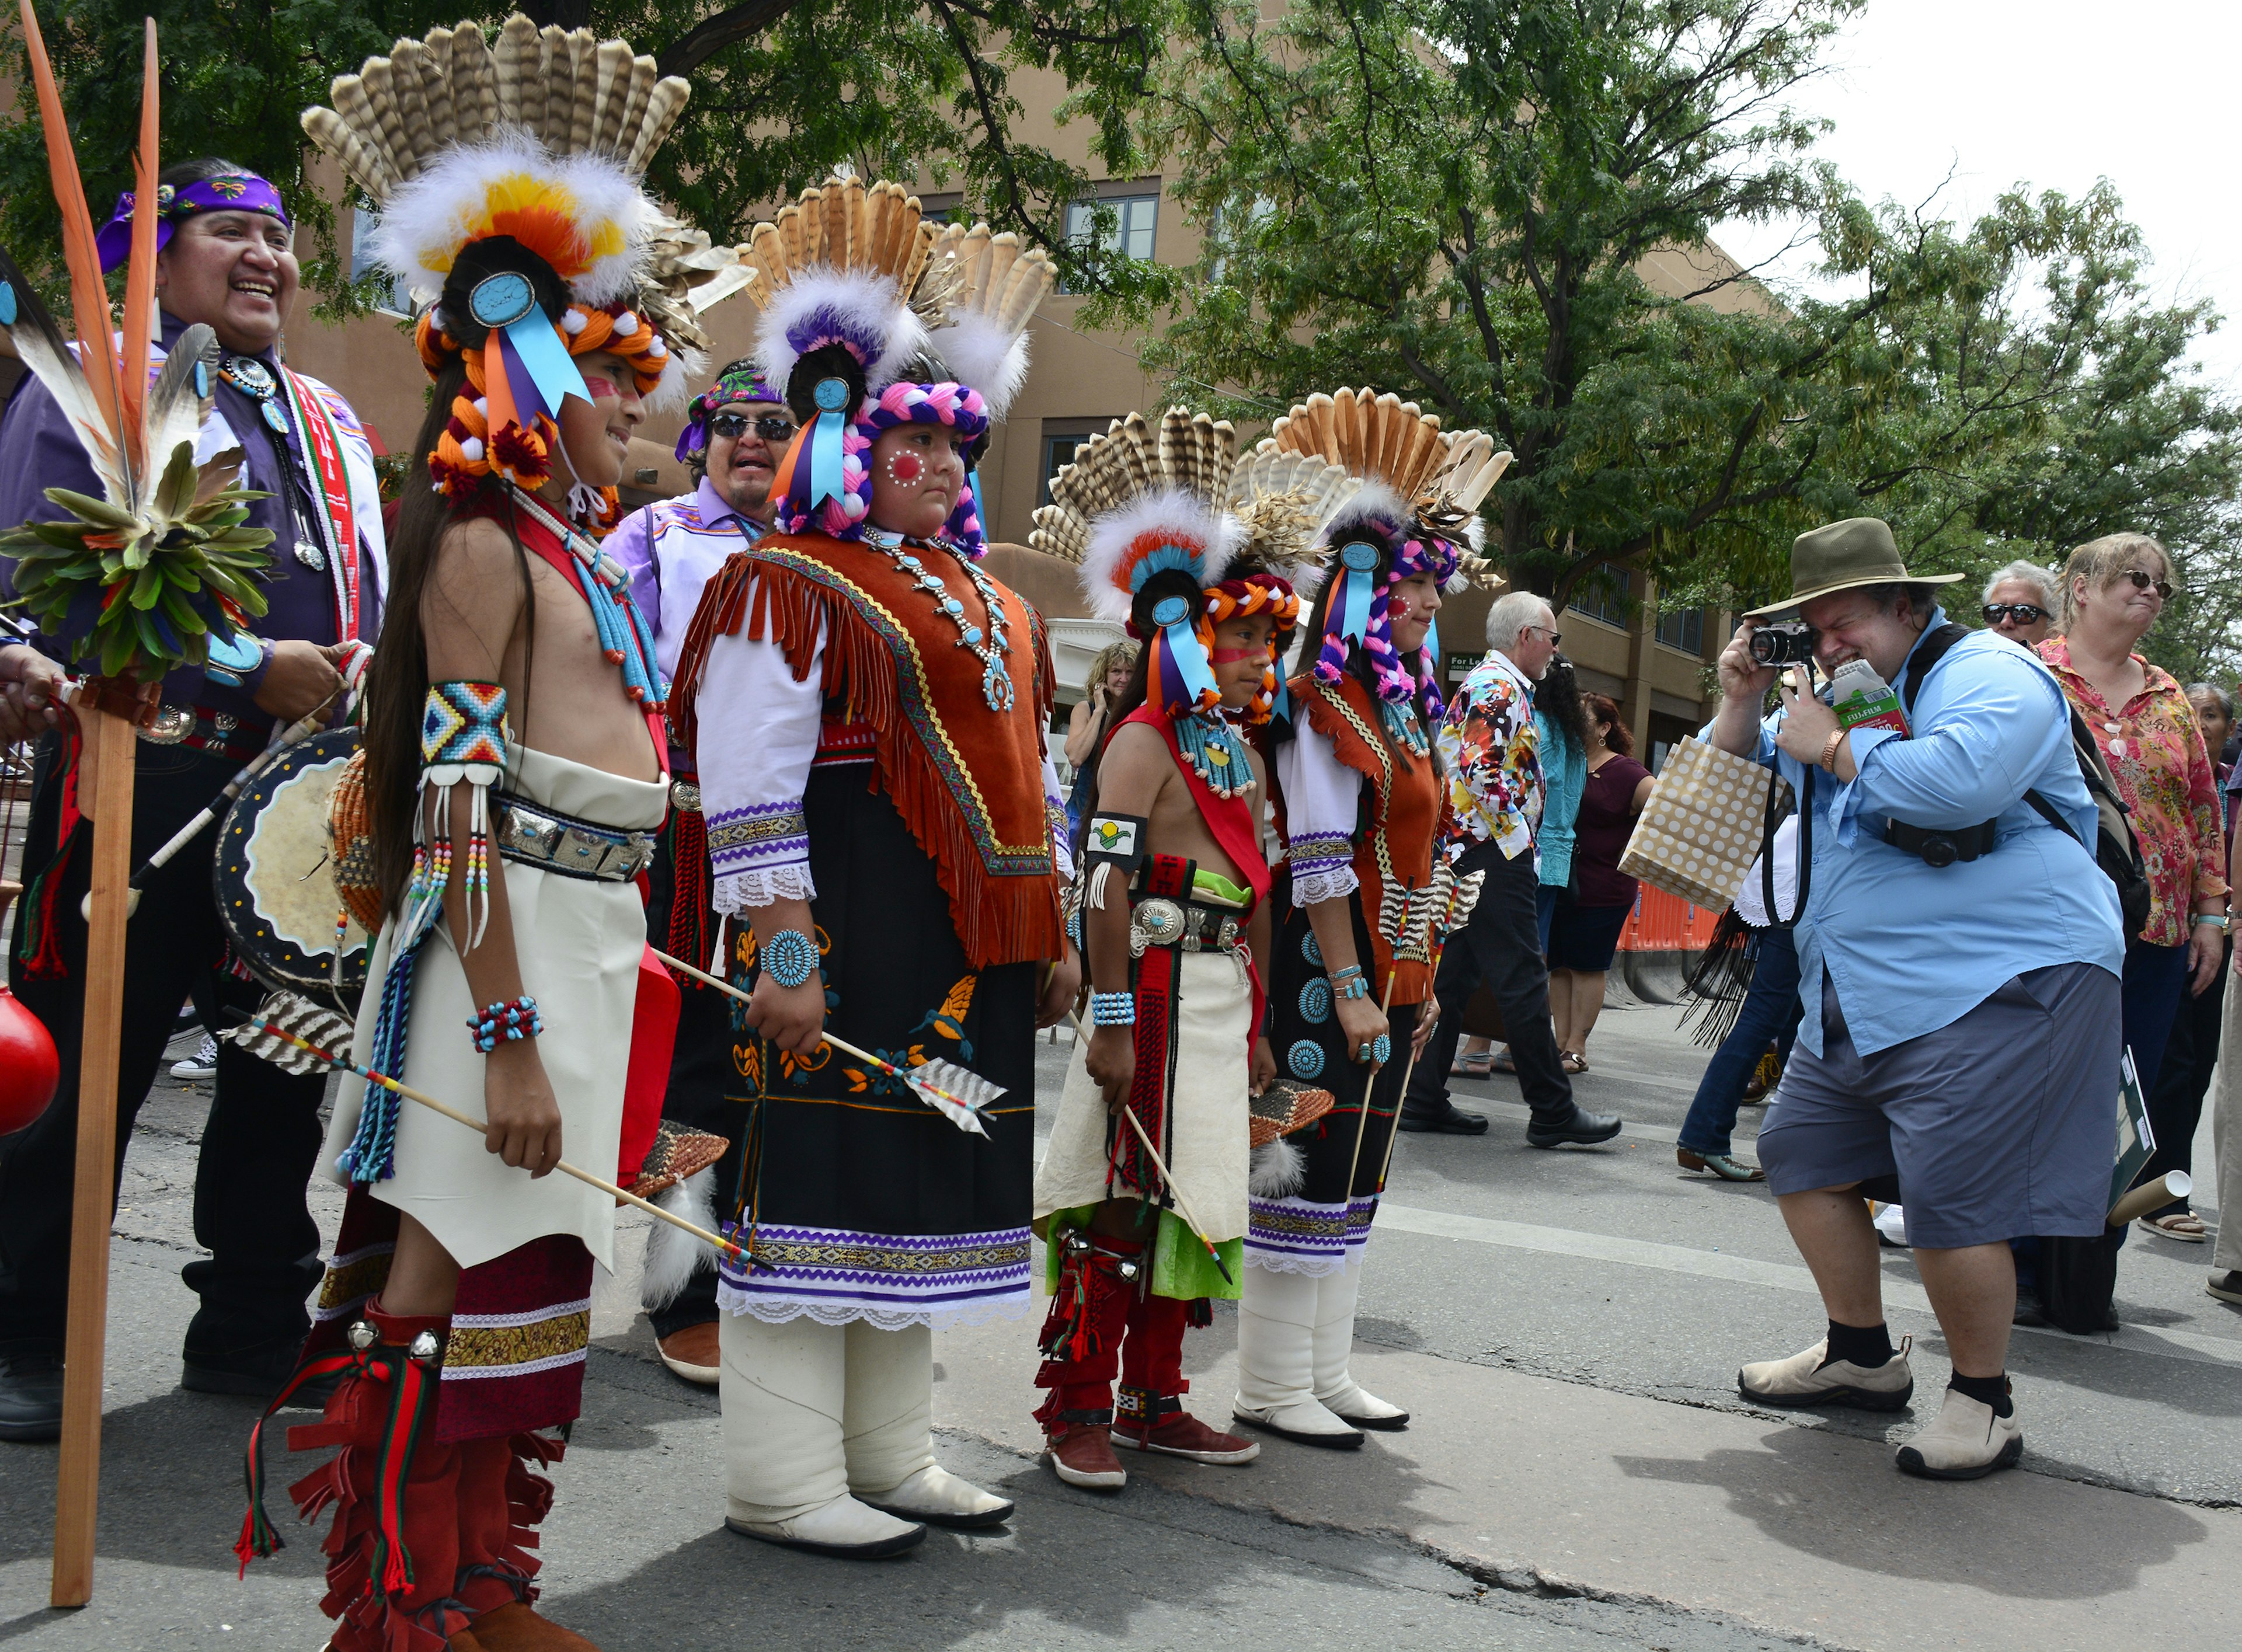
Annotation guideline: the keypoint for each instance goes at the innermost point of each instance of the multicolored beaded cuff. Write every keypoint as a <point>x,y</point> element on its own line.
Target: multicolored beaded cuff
<point>513,1018</point>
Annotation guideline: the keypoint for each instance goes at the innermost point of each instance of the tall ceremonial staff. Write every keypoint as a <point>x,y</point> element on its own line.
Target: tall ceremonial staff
<point>140,580</point>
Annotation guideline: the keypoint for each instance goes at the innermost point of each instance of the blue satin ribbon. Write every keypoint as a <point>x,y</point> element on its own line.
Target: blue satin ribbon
<point>825,441</point>
<point>1361,563</point>
<point>1433,645</point>
<point>549,367</point>
<point>1172,614</point>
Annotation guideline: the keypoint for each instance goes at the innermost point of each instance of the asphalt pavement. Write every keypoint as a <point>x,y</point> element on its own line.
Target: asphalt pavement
<point>1565,1327</point>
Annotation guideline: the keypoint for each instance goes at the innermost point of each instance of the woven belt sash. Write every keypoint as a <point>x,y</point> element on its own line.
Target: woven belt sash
<point>538,836</point>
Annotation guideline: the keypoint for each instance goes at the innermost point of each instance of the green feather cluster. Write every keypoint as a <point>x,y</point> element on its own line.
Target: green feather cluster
<point>144,595</point>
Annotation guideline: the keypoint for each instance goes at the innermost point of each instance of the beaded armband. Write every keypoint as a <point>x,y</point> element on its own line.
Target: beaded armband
<point>1112,842</point>
<point>1113,1009</point>
<point>512,1018</point>
<point>789,957</point>
<point>463,737</point>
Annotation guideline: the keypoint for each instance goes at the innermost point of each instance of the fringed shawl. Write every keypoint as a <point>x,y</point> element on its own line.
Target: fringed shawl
<point>967,780</point>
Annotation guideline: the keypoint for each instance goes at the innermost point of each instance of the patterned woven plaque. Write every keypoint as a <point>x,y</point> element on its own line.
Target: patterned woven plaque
<point>1701,829</point>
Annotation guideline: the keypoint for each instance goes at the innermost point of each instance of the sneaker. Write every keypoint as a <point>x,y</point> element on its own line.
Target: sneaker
<point>1965,1442</point>
<point>2226,1286</point>
<point>1081,1454</point>
<point>201,1064</point>
<point>1180,1435</point>
<point>1811,1379</point>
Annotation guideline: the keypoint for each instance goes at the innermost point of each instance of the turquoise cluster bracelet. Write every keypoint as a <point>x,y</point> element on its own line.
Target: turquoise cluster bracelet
<point>1113,1009</point>
<point>510,1019</point>
<point>1350,983</point>
<point>789,957</point>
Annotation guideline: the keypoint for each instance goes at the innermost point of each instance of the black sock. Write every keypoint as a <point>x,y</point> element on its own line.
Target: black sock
<point>1986,1391</point>
<point>1866,1347</point>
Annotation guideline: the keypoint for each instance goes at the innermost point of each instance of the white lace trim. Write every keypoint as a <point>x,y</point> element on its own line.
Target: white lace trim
<point>1315,1267</point>
<point>1309,888</point>
<point>783,1310</point>
<point>735,892</point>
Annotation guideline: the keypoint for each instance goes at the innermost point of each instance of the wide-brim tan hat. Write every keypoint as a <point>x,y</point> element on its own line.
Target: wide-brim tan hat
<point>1843,556</point>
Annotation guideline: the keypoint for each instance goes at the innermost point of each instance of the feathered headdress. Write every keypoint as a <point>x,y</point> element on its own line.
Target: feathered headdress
<point>508,178</point>
<point>1145,514</point>
<point>866,307</point>
<point>159,570</point>
<point>1408,518</point>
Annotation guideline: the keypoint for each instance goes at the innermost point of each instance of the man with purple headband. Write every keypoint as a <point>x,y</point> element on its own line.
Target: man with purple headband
<point>224,260</point>
<point>734,432</point>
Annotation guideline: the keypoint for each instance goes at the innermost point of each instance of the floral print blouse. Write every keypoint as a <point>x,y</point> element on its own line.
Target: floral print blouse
<point>2156,755</point>
<point>1491,754</point>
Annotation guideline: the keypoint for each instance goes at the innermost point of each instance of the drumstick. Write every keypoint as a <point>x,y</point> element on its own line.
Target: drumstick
<point>273,1029</point>
<point>959,1097</point>
<point>302,729</point>
<point>1183,1204</point>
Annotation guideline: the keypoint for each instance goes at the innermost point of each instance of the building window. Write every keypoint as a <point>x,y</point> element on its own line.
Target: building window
<point>1116,224</point>
<point>1601,595</point>
<point>1683,629</point>
<point>390,295</point>
<point>1059,449</point>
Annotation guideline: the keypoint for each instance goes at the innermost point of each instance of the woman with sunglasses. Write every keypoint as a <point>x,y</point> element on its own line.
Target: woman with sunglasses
<point>2113,589</point>
<point>2020,603</point>
<point>734,432</point>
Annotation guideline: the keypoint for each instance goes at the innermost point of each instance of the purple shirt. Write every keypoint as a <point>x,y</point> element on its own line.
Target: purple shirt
<point>38,451</point>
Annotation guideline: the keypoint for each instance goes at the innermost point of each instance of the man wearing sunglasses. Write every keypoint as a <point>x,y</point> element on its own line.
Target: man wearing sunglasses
<point>2020,604</point>
<point>735,432</point>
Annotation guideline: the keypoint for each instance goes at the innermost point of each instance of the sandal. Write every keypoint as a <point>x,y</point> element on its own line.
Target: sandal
<point>1572,1062</point>
<point>2184,1226</point>
<point>1502,1063</point>
<point>1473,1066</point>
<point>1727,1166</point>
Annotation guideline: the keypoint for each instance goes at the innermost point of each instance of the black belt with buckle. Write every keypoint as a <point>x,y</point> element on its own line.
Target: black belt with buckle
<point>1939,846</point>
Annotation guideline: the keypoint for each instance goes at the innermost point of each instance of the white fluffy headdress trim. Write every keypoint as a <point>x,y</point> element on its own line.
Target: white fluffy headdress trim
<point>857,307</point>
<point>473,192</point>
<point>981,351</point>
<point>1376,506</point>
<point>1164,527</point>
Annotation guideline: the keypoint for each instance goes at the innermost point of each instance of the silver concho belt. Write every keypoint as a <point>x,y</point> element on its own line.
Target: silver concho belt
<point>573,848</point>
<point>1159,920</point>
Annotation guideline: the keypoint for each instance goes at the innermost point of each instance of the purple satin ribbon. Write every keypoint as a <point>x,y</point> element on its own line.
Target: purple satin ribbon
<point>228,193</point>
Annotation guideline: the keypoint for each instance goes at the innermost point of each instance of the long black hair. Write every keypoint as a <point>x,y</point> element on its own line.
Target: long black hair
<point>1557,697</point>
<point>397,683</point>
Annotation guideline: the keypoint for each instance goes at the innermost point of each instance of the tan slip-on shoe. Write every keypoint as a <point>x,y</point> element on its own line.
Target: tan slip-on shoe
<point>1804,1380</point>
<point>1081,1454</point>
<point>1965,1441</point>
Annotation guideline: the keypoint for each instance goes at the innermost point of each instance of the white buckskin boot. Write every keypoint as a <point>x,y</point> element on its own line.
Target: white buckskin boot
<point>887,1434</point>
<point>1334,1346</point>
<point>785,1477</point>
<point>1276,1363</point>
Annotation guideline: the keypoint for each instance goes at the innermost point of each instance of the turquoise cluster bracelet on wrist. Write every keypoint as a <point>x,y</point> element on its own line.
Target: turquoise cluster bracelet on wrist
<point>510,1019</point>
<point>789,957</point>
<point>1113,1009</point>
<point>1350,983</point>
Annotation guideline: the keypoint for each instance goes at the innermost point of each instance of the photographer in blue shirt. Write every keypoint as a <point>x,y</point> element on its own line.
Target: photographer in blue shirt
<point>1959,958</point>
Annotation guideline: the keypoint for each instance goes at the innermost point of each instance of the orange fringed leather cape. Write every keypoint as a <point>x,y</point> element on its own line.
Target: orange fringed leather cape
<point>1396,844</point>
<point>967,780</point>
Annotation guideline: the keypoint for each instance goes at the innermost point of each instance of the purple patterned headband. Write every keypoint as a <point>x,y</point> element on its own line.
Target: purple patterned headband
<point>227,192</point>
<point>742,383</point>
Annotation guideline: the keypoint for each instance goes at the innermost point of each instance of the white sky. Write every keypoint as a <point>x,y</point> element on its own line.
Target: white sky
<point>2053,93</point>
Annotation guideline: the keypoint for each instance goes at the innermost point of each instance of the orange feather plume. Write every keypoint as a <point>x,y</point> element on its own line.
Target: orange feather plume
<point>140,272</point>
<point>89,295</point>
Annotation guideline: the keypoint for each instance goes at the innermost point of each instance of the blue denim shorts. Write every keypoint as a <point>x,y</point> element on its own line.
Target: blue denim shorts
<point>2000,1125</point>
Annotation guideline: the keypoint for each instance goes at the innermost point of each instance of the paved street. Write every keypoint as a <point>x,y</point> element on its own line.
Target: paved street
<point>1565,1327</point>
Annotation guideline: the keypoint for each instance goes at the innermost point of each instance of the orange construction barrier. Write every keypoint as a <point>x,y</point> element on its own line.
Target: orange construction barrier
<point>1664,922</point>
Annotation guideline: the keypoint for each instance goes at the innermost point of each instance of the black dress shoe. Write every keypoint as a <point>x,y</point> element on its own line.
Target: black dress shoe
<point>258,1372</point>
<point>30,1391</point>
<point>1582,1129</point>
<point>1449,1120</point>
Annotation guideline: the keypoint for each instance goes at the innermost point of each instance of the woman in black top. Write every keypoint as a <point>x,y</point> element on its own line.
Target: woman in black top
<point>1585,932</point>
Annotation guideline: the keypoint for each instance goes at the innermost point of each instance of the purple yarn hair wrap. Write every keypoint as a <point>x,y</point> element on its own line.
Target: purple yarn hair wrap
<point>899,404</point>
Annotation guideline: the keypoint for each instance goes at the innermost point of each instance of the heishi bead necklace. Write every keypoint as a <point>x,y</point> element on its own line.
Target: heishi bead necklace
<point>624,636</point>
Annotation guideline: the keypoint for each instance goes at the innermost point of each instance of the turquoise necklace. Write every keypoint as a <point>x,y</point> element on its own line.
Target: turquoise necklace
<point>996,679</point>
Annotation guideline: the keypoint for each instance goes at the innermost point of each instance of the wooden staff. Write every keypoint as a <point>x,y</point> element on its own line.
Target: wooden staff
<point>106,771</point>
<point>273,1029</point>
<point>1362,1129</point>
<point>1183,1204</point>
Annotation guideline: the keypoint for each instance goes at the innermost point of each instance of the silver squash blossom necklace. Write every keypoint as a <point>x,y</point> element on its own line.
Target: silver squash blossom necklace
<point>991,649</point>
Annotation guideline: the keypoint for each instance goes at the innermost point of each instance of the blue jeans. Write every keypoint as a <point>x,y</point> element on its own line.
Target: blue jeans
<point>2155,982</point>
<point>1770,1011</point>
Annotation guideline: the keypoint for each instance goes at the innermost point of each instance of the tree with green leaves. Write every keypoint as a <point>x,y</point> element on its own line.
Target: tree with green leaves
<point>1457,200</point>
<point>782,90</point>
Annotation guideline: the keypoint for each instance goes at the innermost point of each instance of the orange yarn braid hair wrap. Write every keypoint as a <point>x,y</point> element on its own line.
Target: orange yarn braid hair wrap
<point>1241,599</point>
<point>467,451</point>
